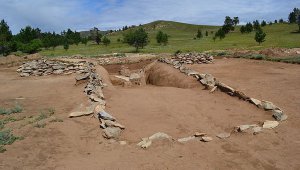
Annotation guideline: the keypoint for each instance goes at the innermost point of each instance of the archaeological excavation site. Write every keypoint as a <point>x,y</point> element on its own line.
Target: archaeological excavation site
<point>150,112</point>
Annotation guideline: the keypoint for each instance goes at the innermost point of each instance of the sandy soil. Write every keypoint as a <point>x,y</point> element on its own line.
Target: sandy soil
<point>78,143</point>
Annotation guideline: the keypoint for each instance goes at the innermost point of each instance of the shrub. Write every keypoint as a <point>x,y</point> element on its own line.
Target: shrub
<point>31,47</point>
<point>16,109</point>
<point>162,38</point>
<point>106,41</point>
<point>7,138</point>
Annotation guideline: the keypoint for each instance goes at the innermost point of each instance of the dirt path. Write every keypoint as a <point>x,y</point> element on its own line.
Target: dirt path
<point>78,143</point>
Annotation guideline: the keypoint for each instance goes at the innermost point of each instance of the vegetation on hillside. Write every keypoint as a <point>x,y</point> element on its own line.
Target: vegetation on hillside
<point>173,35</point>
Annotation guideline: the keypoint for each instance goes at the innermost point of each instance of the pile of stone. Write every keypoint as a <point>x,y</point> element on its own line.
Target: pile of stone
<point>45,67</point>
<point>193,58</point>
<point>213,84</point>
<point>93,89</point>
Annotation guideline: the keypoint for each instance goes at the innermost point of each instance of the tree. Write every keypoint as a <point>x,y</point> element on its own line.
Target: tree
<point>248,27</point>
<point>293,15</point>
<point>32,47</point>
<point>76,38</point>
<point>27,34</point>
<point>66,45</point>
<point>243,29</point>
<point>260,36</point>
<point>199,34</point>
<point>137,38</point>
<point>228,25</point>
<point>206,33</point>
<point>220,33</point>
<point>98,38</point>
<point>275,21</point>
<point>256,25</point>
<point>298,21</point>
<point>162,38</point>
<point>236,20</point>
<point>106,41</point>
<point>5,38</point>
<point>84,41</point>
<point>263,23</point>
<point>281,20</point>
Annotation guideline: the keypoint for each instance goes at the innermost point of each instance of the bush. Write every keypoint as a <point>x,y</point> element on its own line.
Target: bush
<point>106,41</point>
<point>31,47</point>
<point>7,138</point>
<point>162,38</point>
<point>16,109</point>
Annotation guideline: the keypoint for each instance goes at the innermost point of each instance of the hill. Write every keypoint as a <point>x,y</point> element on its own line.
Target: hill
<point>181,37</point>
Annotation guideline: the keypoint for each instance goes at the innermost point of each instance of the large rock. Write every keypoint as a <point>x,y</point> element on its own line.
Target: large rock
<point>208,80</point>
<point>146,142</point>
<point>112,132</point>
<point>223,135</point>
<point>255,101</point>
<point>268,105</point>
<point>206,138</point>
<point>270,124</point>
<point>109,123</point>
<point>106,116</point>
<point>225,88</point>
<point>279,115</point>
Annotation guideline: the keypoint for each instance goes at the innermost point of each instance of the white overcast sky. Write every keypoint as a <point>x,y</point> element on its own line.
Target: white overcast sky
<point>58,15</point>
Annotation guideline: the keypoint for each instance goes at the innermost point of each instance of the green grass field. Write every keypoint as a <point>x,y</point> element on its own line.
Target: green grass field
<point>182,38</point>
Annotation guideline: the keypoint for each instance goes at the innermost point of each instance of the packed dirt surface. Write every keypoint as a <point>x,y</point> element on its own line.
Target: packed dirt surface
<point>171,103</point>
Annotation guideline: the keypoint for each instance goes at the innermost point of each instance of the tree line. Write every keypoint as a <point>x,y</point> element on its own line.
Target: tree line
<point>31,40</point>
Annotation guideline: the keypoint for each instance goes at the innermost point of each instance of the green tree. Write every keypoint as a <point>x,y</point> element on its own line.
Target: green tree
<point>66,45</point>
<point>27,34</point>
<point>32,47</point>
<point>293,15</point>
<point>298,21</point>
<point>76,38</point>
<point>236,20</point>
<point>220,33</point>
<point>275,21</point>
<point>106,41</point>
<point>199,34</point>
<point>256,25</point>
<point>260,36</point>
<point>263,23</point>
<point>281,21</point>
<point>137,38</point>
<point>98,38</point>
<point>228,25</point>
<point>248,27</point>
<point>5,38</point>
<point>84,41</point>
<point>243,29</point>
<point>162,38</point>
<point>206,33</point>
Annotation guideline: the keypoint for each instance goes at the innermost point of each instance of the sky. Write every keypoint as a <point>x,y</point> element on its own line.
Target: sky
<point>58,15</point>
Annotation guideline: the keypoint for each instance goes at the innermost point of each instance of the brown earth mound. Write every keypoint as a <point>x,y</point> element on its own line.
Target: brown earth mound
<point>163,75</point>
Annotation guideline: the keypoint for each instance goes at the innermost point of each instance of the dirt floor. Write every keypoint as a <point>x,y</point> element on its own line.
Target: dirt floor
<point>161,106</point>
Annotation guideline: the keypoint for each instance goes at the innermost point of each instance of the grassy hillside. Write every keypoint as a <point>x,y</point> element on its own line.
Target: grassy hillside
<point>181,38</point>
